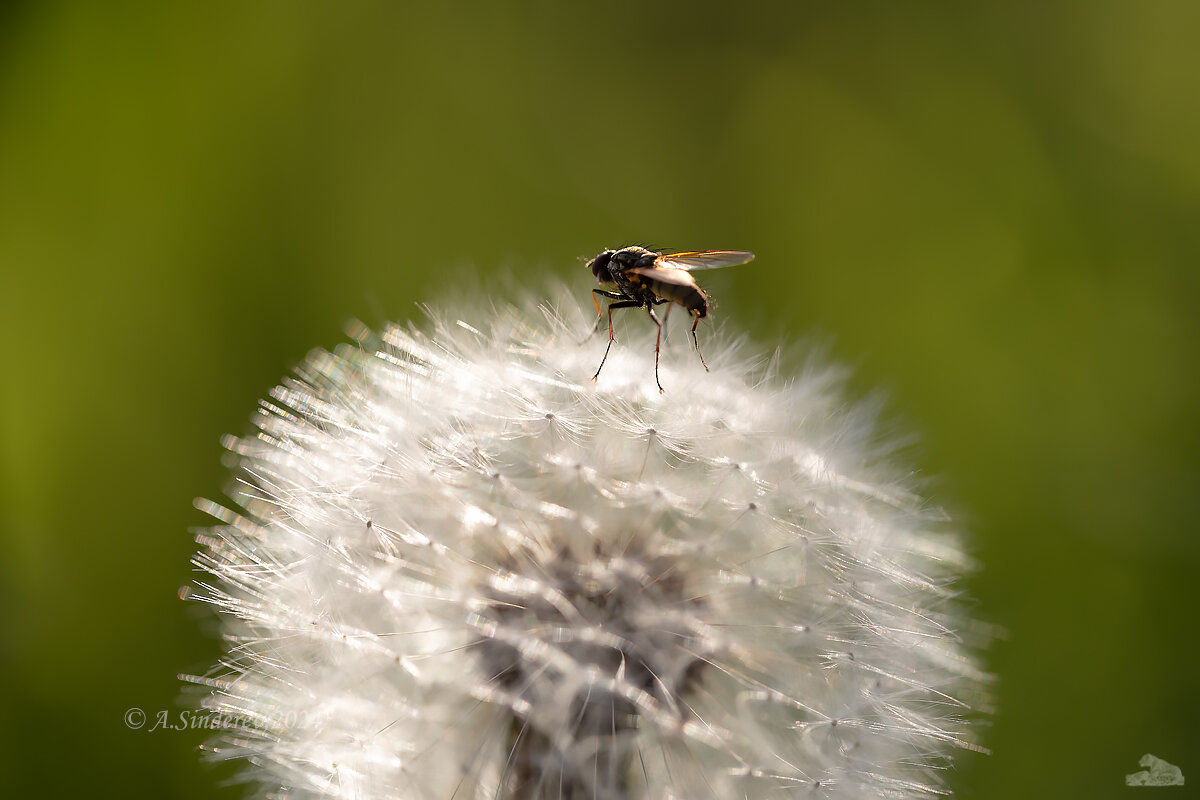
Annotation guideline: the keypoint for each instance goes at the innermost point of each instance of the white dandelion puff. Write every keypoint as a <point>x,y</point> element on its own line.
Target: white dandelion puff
<point>459,569</point>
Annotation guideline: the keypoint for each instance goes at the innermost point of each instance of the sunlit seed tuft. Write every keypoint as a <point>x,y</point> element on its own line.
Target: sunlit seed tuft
<point>460,569</point>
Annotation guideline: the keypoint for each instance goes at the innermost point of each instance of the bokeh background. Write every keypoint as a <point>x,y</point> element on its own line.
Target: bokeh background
<point>989,209</point>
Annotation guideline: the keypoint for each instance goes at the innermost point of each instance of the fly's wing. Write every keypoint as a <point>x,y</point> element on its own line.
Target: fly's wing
<point>672,275</point>
<point>703,259</point>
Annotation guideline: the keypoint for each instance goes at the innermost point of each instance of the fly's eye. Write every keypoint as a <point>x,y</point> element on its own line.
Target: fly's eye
<point>599,264</point>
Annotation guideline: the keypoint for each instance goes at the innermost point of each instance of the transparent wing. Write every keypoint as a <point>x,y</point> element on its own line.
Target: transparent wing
<point>672,275</point>
<point>704,259</point>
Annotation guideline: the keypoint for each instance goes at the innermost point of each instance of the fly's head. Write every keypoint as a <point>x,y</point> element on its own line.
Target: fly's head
<point>599,266</point>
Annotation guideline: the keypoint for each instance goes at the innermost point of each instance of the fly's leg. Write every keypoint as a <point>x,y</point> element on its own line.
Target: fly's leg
<point>596,294</point>
<point>657,345</point>
<point>611,337</point>
<point>666,316</point>
<point>696,342</point>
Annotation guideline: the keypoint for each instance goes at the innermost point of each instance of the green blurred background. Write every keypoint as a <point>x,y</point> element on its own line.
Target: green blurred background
<point>990,209</point>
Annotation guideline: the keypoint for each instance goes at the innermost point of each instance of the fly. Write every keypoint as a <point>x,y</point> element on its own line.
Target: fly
<point>644,279</point>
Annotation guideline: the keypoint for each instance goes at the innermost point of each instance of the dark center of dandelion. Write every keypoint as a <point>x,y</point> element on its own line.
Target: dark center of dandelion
<point>585,655</point>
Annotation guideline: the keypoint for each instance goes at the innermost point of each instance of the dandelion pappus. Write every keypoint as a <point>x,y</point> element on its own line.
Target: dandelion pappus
<point>645,278</point>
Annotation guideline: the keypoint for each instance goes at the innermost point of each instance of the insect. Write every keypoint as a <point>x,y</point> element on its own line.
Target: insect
<point>645,279</point>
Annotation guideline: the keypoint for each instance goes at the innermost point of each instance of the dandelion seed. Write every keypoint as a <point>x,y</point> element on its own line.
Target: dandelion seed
<point>460,569</point>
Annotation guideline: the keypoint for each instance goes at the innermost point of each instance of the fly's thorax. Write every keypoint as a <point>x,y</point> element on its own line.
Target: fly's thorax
<point>633,256</point>
<point>634,286</point>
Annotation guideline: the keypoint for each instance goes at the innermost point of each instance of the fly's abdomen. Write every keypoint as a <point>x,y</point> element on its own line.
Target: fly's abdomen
<point>690,296</point>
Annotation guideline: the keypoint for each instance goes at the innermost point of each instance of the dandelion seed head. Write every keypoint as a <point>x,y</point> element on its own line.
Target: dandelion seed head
<point>457,568</point>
